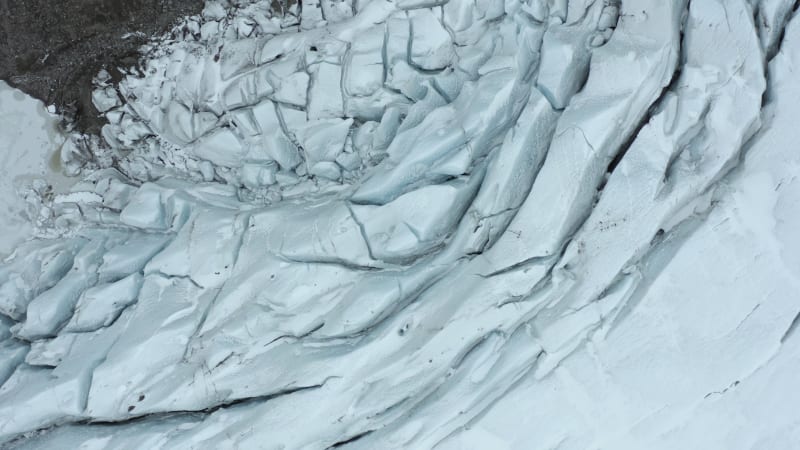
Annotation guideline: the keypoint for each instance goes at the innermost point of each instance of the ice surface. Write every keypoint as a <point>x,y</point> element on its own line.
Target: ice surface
<point>418,224</point>
<point>30,143</point>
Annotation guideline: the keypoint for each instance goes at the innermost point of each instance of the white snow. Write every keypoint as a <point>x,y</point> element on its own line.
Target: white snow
<point>30,144</point>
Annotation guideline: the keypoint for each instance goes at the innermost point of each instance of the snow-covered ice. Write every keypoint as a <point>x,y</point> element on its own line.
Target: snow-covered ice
<point>30,145</point>
<point>415,224</point>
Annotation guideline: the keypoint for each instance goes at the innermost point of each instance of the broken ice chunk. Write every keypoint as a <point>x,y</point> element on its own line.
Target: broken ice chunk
<point>439,138</point>
<point>418,4</point>
<point>189,88</point>
<point>458,15</point>
<point>431,47</point>
<point>325,96</point>
<point>209,29</point>
<point>387,129</point>
<point>324,49</point>
<point>101,305</point>
<point>131,130</point>
<point>150,349</point>
<point>50,310</point>
<point>415,222</point>
<point>324,140</point>
<point>272,144</point>
<point>282,45</point>
<point>248,89</point>
<point>268,25</point>
<point>509,176</point>
<point>373,106</point>
<point>115,191</point>
<point>472,56</point>
<point>538,9</point>
<point>146,209</point>
<point>634,67</point>
<point>772,15</point>
<point>291,89</point>
<point>12,354</point>
<point>349,161</point>
<point>506,50</point>
<point>105,99</point>
<point>34,268</point>
<point>608,18</point>
<point>178,126</point>
<point>311,14</point>
<point>337,10</point>
<point>442,133</point>
<point>130,257</point>
<point>577,10</point>
<point>417,112</point>
<point>322,233</point>
<point>326,169</point>
<point>41,397</point>
<point>5,327</point>
<point>33,398</point>
<point>244,26</point>
<point>207,262</point>
<point>238,56</point>
<point>206,170</point>
<point>255,176</point>
<point>406,80</point>
<point>221,147</point>
<point>50,352</point>
<point>245,122</point>
<point>213,10</point>
<point>395,47</point>
<point>564,65</point>
<point>363,74</point>
<point>489,10</point>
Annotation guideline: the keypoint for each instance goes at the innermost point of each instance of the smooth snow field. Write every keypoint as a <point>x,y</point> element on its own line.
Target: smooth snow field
<point>30,143</point>
<point>415,224</point>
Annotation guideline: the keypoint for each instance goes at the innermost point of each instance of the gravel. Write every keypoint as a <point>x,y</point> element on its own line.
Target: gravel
<point>52,49</point>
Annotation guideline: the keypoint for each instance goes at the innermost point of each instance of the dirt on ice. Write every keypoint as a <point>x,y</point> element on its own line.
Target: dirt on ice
<point>52,49</point>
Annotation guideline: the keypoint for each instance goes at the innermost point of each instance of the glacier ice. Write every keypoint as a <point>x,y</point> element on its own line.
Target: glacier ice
<point>416,224</point>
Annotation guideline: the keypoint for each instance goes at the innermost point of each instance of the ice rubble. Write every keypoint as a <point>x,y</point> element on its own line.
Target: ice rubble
<point>362,223</point>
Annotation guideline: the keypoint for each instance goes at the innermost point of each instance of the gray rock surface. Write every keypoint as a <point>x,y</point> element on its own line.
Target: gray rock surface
<point>52,49</point>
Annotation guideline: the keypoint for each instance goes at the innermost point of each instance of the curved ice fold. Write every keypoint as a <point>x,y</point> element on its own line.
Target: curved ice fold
<point>361,224</point>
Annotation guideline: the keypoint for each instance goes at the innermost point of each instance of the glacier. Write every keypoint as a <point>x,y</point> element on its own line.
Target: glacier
<point>541,224</point>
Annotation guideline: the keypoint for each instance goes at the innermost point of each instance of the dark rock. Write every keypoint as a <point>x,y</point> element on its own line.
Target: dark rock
<point>52,49</point>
